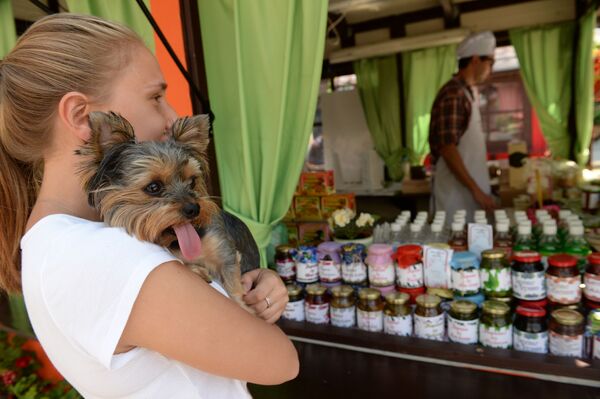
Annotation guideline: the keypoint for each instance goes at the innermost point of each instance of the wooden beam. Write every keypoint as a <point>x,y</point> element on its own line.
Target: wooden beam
<point>451,14</point>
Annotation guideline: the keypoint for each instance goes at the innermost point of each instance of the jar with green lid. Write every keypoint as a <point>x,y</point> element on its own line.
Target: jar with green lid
<point>369,315</point>
<point>429,318</point>
<point>294,310</point>
<point>397,318</point>
<point>495,325</point>
<point>316,305</point>
<point>566,333</point>
<point>463,322</point>
<point>285,262</point>
<point>343,306</point>
<point>495,273</point>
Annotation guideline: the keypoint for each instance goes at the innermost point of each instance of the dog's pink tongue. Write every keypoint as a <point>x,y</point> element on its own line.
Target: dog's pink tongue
<point>189,241</point>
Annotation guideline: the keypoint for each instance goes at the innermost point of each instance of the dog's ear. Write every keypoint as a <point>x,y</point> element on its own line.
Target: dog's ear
<point>193,132</point>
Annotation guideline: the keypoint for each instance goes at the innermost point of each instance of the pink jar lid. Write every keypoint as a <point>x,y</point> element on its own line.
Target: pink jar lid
<point>380,249</point>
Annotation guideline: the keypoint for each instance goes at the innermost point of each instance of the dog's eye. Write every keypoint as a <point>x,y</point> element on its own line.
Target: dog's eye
<point>193,183</point>
<point>154,188</point>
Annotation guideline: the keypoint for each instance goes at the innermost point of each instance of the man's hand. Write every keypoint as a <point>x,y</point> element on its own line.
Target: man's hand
<point>485,201</point>
<point>269,295</point>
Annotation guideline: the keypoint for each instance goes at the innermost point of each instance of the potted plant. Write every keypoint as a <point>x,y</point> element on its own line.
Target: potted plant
<point>347,226</point>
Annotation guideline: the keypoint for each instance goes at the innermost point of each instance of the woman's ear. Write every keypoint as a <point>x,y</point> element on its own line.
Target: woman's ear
<point>73,110</point>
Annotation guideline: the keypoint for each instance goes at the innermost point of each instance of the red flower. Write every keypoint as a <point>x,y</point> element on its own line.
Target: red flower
<point>23,362</point>
<point>8,377</point>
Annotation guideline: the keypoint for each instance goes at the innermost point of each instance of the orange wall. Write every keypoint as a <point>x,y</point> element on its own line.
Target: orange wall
<point>167,16</point>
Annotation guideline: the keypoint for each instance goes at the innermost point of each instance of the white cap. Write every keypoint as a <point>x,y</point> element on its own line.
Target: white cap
<point>573,217</point>
<point>576,230</point>
<point>526,222</point>
<point>564,213</point>
<point>551,222</point>
<point>524,229</point>
<point>457,226</point>
<point>481,221</point>
<point>549,229</point>
<point>462,212</point>
<point>422,213</point>
<point>440,213</point>
<point>521,213</point>
<point>405,213</point>
<point>482,43</point>
<point>502,227</point>
<point>396,227</point>
<point>436,228</point>
<point>415,228</point>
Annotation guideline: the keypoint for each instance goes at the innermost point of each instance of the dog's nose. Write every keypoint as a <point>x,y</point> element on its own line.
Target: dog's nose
<point>190,210</point>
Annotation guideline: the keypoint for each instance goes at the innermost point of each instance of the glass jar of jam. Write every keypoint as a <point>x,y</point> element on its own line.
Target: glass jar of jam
<point>495,273</point>
<point>463,322</point>
<point>528,277</point>
<point>343,306</point>
<point>294,310</point>
<point>307,267</point>
<point>465,273</point>
<point>429,318</point>
<point>354,270</point>
<point>409,266</point>
<point>330,268</point>
<point>495,325</point>
<point>381,265</point>
<point>445,295</point>
<point>563,280</point>
<point>591,278</point>
<point>397,318</point>
<point>566,333</point>
<point>369,315</point>
<point>530,332</point>
<point>413,293</point>
<point>284,262</point>
<point>316,306</point>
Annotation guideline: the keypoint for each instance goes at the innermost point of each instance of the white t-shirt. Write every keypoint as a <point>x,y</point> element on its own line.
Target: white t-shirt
<point>80,281</point>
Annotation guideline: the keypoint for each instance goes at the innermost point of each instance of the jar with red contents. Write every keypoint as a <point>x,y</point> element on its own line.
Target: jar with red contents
<point>527,275</point>
<point>530,330</point>
<point>591,278</point>
<point>563,280</point>
<point>409,266</point>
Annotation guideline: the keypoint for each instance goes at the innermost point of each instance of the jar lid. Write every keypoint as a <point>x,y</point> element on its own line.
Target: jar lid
<point>293,289</point>
<point>594,258</point>
<point>342,291</point>
<point>409,250</point>
<point>428,300</point>
<point>477,299</point>
<point>527,256</point>
<point>567,317</point>
<point>562,260</point>
<point>439,245</point>
<point>542,303</point>
<point>493,254</point>
<point>380,249</point>
<point>464,260</point>
<point>285,249</point>
<point>397,298</point>
<point>443,293</point>
<point>316,289</point>
<point>369,293</point>
<point>495,307</point>
<point>531,311</point>
<point>329,246</point>
<point>462,306</point>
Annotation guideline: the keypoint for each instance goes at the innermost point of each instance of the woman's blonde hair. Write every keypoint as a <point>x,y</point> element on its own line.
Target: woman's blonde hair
<point>58,54</point>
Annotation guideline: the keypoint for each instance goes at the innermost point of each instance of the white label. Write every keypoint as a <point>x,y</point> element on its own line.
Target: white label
<point>307,272</point>
<point>398,325</point>
<point>430,327</point>
<point>466,280</point>
<point>294,310</point>
<point>480,238</point>
<point>369,321</point>
<point>462,331</point>
<point>495,337</point>
<point>381,275</point>
<point>495,280</point>
<point>329,271</point>
<point>354,272</point>
<point>318,314</point>
<point>565,290</point>
<point>286,269</point>
<point>411,276</point>
<point>530,342</point>
<point>596,350</point>
<point>592,287</point>
<point>564,345</point>
<point>436,267</point>
<point>343,317</point>
<point>529,286</point>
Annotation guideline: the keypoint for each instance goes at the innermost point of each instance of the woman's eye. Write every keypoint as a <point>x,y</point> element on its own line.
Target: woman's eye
<point>154,188</point>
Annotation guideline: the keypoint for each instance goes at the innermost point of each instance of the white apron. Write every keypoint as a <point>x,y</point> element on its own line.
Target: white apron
<point>448,192</point>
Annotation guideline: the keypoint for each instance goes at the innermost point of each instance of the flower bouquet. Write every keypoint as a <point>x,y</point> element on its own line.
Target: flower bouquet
<point>346,226</point>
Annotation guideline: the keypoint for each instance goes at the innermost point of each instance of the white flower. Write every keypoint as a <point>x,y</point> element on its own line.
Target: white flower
<point>342,217</point>
<point>365,219</point>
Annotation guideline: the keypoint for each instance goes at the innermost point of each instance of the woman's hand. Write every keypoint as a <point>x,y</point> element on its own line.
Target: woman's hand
<point>269,295</point>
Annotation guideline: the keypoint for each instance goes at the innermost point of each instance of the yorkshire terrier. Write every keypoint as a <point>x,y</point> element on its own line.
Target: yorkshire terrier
<point>156,191</point>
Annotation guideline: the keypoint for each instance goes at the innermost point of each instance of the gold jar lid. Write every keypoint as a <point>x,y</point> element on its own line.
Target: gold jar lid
<point>285,249</point>
<point>443,293</point>
<point>495,307</point>
<point>397,298</point>
<point>293,289</point>
<point>342,291</point>
<point>493,254</point>
<point>439,245</point>
<point>463,306</point>
<point>316,289</point>
<point>567,317</point>
<point>369,293</point>
<point>428,300</point>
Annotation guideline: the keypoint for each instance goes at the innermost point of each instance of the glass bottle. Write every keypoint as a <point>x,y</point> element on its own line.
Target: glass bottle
<point>458,238</point>
<point>577,246</point>
<point>549,244</point>
<point>524,240</point>
<point>502,239</point>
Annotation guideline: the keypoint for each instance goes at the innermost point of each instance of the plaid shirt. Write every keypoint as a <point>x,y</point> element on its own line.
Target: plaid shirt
<point>450,116</point>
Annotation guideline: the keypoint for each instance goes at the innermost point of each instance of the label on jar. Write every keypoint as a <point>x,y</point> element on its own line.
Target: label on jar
<point>411,276</point>
<point>318,314</point>
<point>381,275</point>
<point>592,286</point>
<point>596,347</point>
<point>286,269</point>
<point>495,337</point>
<point>343,317</point>
<point>565,345</point>
<point>495,280</point>
<point>565,290</point>
<point>529,286</point>
<point>329,271</point>
<point>398,325</point>
<point>354,272</point>
<point>369,321</point>
<point>294,310</point>
<point>307,272</point>
<point>430,327</point>
<point>466,280</point>
<point>530,342</point>
<point>462,331</point>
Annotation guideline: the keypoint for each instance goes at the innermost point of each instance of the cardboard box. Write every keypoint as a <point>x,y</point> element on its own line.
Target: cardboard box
<point>312,233</point>
<point>336,201</point>
<point>308,208</point>
<point>292,231</point>
<point>317,183</point>
<point>290,214</point>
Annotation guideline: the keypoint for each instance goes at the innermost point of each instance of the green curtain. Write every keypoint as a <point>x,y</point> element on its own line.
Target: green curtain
<point>263,63</point>
<point>8,32</point>
<point>126,12</point>
<point>377,80</point>
<point>425,72</point>
<point>584,87</point>
<point>545,55</point>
